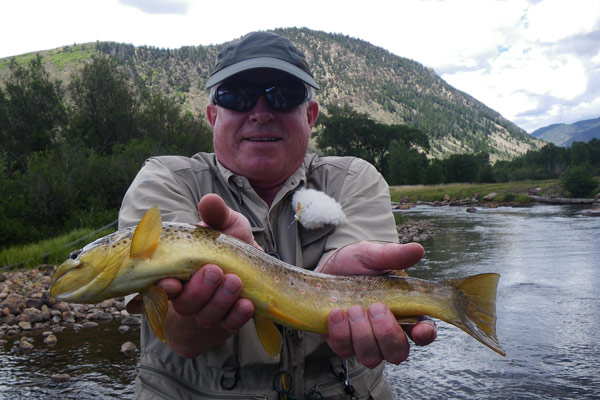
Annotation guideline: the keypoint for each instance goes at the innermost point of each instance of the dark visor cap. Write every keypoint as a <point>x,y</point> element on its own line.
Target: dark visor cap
<point>260,50</point>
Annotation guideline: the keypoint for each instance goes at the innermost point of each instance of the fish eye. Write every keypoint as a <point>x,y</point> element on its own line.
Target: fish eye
<point>74,254</point>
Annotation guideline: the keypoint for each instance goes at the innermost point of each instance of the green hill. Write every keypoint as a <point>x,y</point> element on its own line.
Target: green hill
<point>391,89</point>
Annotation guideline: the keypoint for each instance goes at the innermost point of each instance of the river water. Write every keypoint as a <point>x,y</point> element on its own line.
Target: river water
<point>548,318</point>
<point>548,305</point>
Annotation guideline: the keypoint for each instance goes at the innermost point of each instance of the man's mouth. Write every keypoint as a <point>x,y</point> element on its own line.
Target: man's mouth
<point>263,139</point>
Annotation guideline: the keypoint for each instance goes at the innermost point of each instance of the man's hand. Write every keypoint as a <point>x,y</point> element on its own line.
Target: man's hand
<point>207,309</point>
<point>373,335</point>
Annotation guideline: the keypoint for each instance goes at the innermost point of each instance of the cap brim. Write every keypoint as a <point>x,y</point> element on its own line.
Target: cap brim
<point>261,62</point>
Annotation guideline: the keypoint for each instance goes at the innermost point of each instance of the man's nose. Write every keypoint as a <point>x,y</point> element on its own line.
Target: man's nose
<point>261,112</point>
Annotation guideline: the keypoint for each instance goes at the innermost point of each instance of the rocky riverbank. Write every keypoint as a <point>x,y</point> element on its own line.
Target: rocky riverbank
<point>26,308</point>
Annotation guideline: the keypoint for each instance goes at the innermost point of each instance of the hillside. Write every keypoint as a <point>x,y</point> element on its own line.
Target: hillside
<point>566,134</point>
<point>389,88</point>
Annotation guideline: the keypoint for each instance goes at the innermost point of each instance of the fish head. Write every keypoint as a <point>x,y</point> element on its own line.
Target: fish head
<point>87,272</point>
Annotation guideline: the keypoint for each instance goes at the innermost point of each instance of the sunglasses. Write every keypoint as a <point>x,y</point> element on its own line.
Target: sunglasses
<point>241,97</point>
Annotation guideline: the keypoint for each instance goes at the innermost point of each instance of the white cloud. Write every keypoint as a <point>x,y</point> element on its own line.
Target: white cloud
<point>534,61</point>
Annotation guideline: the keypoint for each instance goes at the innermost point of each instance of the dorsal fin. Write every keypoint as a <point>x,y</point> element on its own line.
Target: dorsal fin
<point>146,235</point>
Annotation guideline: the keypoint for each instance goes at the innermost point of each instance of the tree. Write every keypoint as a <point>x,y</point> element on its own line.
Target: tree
<point>406,165</point>
<point>578,181</point>
<point>462,168</point>
<point>32,112</point>
<point>104,106</point>
<point>346,132</point>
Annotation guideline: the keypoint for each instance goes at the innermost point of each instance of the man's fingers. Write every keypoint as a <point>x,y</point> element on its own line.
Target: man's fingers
<point>240,313</point>
<point>339,338</point>
<point>198,290</point>
<point>214,212</point>
<point>390,337</point>
<point>368,258</point>
<point>422,333</point>
<point>222,301</point>
<point>363,341</point>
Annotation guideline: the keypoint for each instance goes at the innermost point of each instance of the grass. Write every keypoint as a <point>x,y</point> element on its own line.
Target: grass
<point>510,191</point>
<point>49,251</point>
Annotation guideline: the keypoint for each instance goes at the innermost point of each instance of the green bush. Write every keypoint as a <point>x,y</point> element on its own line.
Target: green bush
<point>578,181</point>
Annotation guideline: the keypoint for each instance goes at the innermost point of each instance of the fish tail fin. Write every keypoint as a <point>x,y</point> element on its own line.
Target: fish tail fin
<point>477,308</point>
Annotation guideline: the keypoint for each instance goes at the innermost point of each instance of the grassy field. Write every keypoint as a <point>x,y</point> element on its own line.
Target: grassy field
<point>510,191</point>
<point>50,251</point>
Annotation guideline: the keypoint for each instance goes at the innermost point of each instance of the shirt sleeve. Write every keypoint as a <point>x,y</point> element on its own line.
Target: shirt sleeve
<point>365,199</point>
<point>156,184</point>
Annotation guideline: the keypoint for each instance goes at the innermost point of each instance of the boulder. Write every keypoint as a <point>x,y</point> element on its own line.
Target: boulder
<point>490,196</point>
<point>128,348</point>
<point>50,339</point>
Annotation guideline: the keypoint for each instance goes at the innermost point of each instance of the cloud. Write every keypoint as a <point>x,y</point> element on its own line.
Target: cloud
<point>162,7</point>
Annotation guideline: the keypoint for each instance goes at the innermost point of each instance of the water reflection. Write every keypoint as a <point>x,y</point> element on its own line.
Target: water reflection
<point>548,305</point>
<point>91,357</point>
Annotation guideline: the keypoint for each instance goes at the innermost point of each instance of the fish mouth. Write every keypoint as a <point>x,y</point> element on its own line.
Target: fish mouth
<point>61,271</point>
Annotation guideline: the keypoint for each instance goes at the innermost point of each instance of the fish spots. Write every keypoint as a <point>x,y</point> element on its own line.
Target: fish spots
<point>317,304</point>
<point>333,299</point>
<point>302,291</point>
<point>263,268</point>
<point>276,279</point>
<point>319,286</point>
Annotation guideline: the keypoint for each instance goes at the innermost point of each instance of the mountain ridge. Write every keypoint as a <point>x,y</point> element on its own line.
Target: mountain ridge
<point>565,135</point>
<point>389,88</point>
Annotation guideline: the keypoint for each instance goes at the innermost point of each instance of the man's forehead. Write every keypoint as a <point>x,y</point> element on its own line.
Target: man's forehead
<point>261,75</point>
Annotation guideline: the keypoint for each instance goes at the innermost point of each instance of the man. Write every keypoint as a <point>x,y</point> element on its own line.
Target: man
<point>262,113</point>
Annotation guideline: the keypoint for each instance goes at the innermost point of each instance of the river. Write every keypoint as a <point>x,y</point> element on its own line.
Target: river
<point>548,305</point>
<point>548,318</point>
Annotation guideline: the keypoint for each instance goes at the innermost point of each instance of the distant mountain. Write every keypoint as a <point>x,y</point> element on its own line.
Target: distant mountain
<point>391,89</point>
<point>566,134</point>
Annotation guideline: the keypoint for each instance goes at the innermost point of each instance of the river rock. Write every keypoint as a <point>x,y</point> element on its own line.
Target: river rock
<point>24,345</point>
<point>50,339</point>
<point>62,307</point>
<point>131,320</point>
<point>61,377</point>
<point>89,324</point>
<point>2,277</point>
<point>490,196</point>
<point>128,348</point>
<point>25,325</point>
<point>471,210</point>
<point>123,329</point>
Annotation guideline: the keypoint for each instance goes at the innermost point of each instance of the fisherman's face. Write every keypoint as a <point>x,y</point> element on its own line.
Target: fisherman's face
<point>263,144</point>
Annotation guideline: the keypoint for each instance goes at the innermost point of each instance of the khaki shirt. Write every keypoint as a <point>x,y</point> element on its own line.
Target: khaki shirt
<point>239,368</point>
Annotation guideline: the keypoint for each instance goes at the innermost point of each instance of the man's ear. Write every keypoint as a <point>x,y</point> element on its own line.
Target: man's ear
<point>211,114</point>
<point>312,112</point>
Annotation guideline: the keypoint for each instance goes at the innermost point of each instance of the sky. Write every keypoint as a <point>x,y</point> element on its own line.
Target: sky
<point>536,62</point>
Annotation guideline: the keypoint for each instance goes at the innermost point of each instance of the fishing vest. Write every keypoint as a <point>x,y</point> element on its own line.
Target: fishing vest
<point>240,368</point>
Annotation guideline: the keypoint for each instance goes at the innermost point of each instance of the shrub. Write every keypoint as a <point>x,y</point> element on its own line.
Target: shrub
<point>578,181</point>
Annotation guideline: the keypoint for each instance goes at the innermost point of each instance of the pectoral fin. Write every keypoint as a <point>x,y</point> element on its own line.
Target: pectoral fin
<point>269,336</point>
<point>146,235</point>
<point>111,267</point>
<point>156,305</point>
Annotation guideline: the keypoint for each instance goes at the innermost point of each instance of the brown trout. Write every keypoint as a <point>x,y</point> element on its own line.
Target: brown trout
<point>132,260</point>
